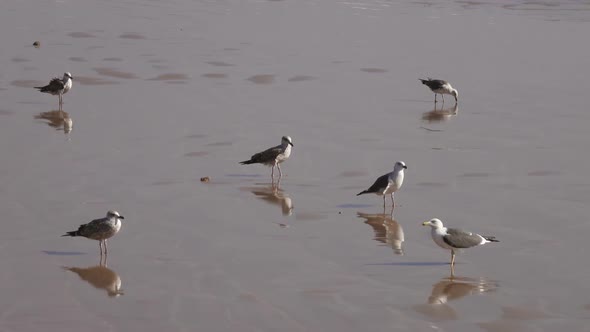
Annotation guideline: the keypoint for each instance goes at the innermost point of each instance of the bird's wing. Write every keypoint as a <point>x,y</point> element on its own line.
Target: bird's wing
<point>381,184</point>
<point>93,227</point>
<point>457,238</point>
<point>55,84</point>
<point>435,84</point>
<point>267,155</point>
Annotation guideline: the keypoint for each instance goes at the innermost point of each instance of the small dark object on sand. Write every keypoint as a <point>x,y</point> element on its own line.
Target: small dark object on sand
<point>205,179</point>
<point>37,44</point>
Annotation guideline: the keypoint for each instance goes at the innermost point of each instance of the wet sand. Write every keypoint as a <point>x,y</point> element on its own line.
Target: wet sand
<point>173,92</point>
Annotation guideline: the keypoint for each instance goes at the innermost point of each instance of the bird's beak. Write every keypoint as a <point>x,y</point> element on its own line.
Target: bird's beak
<point>121,217</point>
<point>291,144</point>
<point>426,223</point>
<point>405,167</point>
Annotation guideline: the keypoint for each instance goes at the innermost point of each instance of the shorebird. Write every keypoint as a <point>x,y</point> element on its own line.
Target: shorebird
<point>454,239</point>
<point>388,183</point>
<point>100,229</point>
<point>58,87</point>
<point>273,156</point>
<point>441,87</point>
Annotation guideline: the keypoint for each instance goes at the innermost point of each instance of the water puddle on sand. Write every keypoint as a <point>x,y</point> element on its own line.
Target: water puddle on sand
<point>302,78</point>
<point>262,79</point>
<point>215,75</point>
<point>170,77</point>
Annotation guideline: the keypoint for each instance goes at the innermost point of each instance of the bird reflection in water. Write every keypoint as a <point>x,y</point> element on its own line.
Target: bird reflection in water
<point>450,289</point>
<point>273,194</point>
<point>440,115</point>
<point>57,119</point>
<point>101,277</point>
<point>387,230</point>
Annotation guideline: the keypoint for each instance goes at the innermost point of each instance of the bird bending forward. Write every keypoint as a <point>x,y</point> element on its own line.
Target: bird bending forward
<point>441,87</point>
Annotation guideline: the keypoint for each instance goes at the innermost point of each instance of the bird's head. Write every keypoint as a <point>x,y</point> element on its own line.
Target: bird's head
<point>434,223</point>
<point>400,165</point>
<point>114,214</point>
<point>67,75</point>
<point>455,94</point>
<point>287,140</point>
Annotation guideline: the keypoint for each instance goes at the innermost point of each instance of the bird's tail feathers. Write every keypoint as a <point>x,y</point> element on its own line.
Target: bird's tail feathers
<point>363,192</point>
<point>491,238</point>
<point>246,162</point>
<point>72,233</point>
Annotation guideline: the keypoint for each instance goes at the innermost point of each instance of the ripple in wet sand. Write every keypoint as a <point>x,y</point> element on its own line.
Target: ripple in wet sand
<point>196,154</point>
<point>262,79</point>
<point>374,70</point>
<point>112,59</point>
<point>543,173</point>
<point>85,80</point>
<point>114,73</point>
<point>220,144</point>
<point>77,59</point>
<point>301,78</point>
<point>19,59</point>
<point>132,36</point>
<point>219,64</point>
<point>26,83</point>
<point>476,175</point>
<point>196,136</point>
<point>6,112</point>
<point>170,77</point>
<point>215,75</point>
<point>81,35</point>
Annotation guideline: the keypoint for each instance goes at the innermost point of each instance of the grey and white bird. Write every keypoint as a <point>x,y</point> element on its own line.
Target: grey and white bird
<point>58,87</point>
<point>273,156</point>
<point>100,229</point>
<point>388,183</point>
<point>441,87</point>
<point>454,239</point>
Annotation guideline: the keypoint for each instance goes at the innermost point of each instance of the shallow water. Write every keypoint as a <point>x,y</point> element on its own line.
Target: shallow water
<point>166,93</point>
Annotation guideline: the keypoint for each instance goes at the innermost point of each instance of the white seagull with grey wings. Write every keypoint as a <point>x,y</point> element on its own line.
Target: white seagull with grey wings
<point>58,87</point>
<point>441,87</point>
<point>454,239</point>
<point>273,156</point>
<point>388,183</point>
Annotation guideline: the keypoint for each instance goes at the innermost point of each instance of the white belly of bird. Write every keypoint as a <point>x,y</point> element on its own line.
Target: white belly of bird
<point>285,155</point>
<point>437,236</point>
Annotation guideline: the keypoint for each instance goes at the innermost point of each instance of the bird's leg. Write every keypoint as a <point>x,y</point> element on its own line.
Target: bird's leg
<point>100,247</point>
<point>272,174</point>
<point>280,173</point>
<point>443,97</point>
<point>105,249</point>
<point>392,202</point>
<point>383,201</point>
<point>435,97</point>
<point>452,263</point>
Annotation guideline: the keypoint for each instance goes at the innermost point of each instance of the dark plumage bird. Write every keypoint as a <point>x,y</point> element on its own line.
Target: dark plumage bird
<point>454,239</point>
<point>58,87</point>
<point>273,156</point>
<point>100,229</point>
<point>388,183</point>
<point>441,87</point>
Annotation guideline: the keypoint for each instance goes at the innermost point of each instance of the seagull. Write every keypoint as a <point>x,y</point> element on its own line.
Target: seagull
<point>454,239</point>
<point>273,156</point>
<point>58,87</point>
<point>441,87</point>
<point>388,183</point>
<point>100,229</point>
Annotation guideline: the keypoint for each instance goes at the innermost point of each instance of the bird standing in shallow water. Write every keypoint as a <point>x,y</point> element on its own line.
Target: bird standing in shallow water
<point>58,87</point>
<point>454,239</point>
<point>273,156</point>
<point>441,87</point>
<point>388,183</point>
<point>100,229</point>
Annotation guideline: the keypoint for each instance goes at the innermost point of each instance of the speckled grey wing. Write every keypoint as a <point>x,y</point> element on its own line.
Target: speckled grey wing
<point>265,156</point>
<point>95,229</point>
<point>457,238</point>
<point>434,84</point>
<point>54,86</point>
